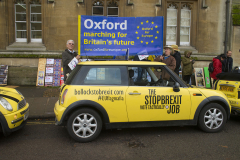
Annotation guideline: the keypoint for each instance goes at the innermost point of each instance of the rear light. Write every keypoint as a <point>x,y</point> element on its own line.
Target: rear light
<point>63,96</point>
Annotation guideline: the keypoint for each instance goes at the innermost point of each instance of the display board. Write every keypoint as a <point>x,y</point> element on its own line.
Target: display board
<point>3,74</point>
<point>41,72</point>
<point>207,77</point>
<point>199,77</point>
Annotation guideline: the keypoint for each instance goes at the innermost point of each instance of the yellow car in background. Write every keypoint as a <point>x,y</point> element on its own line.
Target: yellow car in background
<point>229,84</point>
<point>14,110</point>
<point>130,94</point>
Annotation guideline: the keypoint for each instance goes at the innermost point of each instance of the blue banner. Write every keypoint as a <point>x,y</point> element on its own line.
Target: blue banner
<point>112,36</point>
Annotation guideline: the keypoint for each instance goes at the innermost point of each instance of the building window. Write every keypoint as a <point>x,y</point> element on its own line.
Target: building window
<point>20,23</point>
<point>185,26</point>
<point>179,21</point>
<point>36,23</point>
<point>105,8</point>
<point>28,22</point>
<point>171,37</point>
<point>97,9</point>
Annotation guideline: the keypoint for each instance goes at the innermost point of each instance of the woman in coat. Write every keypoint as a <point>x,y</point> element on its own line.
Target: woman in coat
<point>187,66</point>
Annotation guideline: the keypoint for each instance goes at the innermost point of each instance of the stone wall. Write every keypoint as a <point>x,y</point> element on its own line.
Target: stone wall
<point>236,46</point>
<point>211,27</point>
<point>2,26</point>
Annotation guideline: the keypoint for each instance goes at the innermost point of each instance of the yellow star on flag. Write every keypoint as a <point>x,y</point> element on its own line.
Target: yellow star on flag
<point>146,42</point>
<point>157,31</point>
<point>156,37</point>
<point>136,32</point>
<point>147,21</point>
<point>156,26</point>
<point>141,22</point>
<point>152,22</point>
<point>141,41</point>
<point>137,37</point>
<point>152,41</point>
<point>137,27</point>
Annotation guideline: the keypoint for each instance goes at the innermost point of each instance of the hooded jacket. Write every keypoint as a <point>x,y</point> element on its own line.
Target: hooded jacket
<point>187,65</point>
<point>217,65</point>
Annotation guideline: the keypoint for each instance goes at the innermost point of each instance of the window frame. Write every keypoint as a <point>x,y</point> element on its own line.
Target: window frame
<point>16,30</point>
<point>31,22</point>
<point>179,5</point>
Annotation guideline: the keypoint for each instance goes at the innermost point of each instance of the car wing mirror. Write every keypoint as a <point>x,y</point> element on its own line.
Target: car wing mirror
<point>176,87</point>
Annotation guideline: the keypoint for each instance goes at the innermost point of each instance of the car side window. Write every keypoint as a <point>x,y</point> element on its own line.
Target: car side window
<point>101,75</point>
<point>150,76</point>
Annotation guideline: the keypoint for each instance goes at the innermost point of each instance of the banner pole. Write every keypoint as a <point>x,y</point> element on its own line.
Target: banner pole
<point>79,34</point>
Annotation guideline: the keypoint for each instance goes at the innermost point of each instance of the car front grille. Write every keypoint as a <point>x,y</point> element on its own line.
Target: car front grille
<point>21,104</point>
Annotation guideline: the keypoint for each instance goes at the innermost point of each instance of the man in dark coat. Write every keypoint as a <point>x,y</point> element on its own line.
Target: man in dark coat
<point>67,57</point>
<point>177,56</point>
<point>228,62</point>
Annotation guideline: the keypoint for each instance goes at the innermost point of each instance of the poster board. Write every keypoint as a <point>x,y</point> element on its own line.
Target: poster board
<point>199,77</point>
<point>207,77</point>
<point>3,74</point>
<point>41,72</point>
<point>49,72</point>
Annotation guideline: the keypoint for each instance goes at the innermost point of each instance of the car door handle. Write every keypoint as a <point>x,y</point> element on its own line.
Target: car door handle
<point>130,93</point>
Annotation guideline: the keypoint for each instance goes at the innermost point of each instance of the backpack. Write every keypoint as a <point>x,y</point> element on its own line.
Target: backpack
<point>210,67</point>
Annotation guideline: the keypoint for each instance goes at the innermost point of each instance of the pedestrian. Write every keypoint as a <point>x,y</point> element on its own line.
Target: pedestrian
<point>187,66</point>
<point>177,56</point>
<point>168,60</point>
<point>228,62</point>
<point>217,65</point>
<point>67,57</point>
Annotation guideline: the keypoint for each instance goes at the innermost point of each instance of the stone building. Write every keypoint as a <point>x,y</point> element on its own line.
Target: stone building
<point>30,29</point>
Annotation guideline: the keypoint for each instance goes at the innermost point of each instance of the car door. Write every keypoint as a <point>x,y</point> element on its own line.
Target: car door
<point>104,85</point>
<point>157,103</point>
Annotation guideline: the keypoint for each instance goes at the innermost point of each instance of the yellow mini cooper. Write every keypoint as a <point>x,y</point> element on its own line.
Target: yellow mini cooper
<point>14,110</point>
<point>130,94</point>
<point>229,84</point>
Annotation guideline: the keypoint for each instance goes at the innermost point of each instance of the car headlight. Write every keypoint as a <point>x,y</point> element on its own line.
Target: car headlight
<point>5,104</point>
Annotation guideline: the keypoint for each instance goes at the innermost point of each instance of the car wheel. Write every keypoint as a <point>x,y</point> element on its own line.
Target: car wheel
<point>84,125</point>
<point>212,118</point>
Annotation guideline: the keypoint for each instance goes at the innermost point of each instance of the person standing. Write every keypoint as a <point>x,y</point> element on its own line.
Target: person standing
<point>228,62</point>
<point>67,57</point>
<point>177,56</point>
<point>217,65</point>
<point>168,60</point>
<point>187,66</point>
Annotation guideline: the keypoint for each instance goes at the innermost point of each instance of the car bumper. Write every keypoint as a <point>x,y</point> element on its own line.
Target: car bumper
<point>14,121</point>
<point>58,110</point>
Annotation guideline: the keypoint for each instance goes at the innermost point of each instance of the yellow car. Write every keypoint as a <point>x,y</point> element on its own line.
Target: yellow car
<point>14,110</point>
<point>229,84</point>
<point>130,94</point>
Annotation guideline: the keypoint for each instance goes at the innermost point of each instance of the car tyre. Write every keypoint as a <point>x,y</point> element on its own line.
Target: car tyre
<point>84,125</point>
<point>212,118</point>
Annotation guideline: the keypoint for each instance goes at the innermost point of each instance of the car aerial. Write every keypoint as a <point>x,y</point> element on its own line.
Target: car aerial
<point>229,84</point>
<point>131,94</point>
<point>14,110</point>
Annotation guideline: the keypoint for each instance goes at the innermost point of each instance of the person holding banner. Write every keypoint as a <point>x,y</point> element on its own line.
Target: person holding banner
<point>67,56</point>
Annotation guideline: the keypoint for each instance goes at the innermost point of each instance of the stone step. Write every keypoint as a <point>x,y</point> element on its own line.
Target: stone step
<point>23,46</point>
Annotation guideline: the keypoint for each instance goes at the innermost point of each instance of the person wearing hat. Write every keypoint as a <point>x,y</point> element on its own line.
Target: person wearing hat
<point>168,60</point>
<point>177,56</point>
